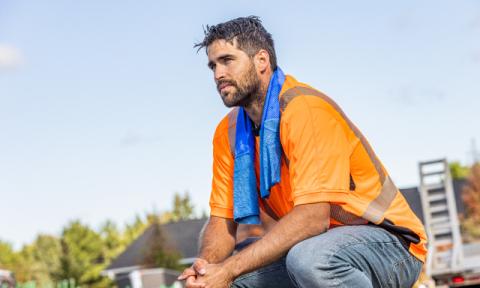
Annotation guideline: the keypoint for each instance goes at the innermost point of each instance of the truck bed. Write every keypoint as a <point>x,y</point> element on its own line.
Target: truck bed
<point>471,256</point>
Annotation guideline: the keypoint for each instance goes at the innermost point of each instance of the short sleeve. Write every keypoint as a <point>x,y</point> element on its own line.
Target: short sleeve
<point>221,197</point>
<point>318,151</point>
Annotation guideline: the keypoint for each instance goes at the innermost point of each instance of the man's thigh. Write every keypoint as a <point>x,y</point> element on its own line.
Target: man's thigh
<point>352,256</point>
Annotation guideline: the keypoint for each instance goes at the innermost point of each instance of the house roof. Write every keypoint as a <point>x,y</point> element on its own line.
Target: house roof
<point>412,195</point>
<point>181,236</point>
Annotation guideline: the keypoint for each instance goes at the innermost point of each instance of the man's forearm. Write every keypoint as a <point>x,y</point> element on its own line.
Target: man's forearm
<point>303,222</point>
<point>217,240</point>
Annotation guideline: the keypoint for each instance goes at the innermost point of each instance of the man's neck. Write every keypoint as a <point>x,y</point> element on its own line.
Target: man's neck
<point>255,108</point>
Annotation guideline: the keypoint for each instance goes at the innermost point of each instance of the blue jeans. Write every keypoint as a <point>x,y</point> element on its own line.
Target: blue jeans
<point>346,256</point>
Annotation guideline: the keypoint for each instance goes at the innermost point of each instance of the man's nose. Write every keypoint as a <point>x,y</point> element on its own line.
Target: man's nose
<point>219,73</point>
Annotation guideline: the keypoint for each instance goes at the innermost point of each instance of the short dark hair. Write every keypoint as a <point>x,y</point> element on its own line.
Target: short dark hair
<point>248,32</point>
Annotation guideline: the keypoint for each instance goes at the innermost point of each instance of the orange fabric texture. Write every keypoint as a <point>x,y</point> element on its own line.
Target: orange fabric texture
<point>325,150</point>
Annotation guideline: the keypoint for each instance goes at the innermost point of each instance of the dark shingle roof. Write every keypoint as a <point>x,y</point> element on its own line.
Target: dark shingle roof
<point>181,236</point>
<point>413,197</point>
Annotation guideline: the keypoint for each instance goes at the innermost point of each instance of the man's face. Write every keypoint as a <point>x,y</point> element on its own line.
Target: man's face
<point>235,74</point>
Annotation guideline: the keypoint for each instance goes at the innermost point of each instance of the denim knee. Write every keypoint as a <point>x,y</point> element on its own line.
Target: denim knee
<point>307,269</point>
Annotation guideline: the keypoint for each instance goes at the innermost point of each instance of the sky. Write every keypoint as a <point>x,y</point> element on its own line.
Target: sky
<point>106,110</point>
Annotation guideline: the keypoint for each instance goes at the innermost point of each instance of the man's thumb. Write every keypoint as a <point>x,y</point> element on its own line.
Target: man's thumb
<point>199,266</point>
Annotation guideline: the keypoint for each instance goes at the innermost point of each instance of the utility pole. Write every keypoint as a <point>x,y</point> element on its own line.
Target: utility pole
<point>474,154</point>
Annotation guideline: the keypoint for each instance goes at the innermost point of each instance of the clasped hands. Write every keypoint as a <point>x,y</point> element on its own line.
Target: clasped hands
<point>205,275</point>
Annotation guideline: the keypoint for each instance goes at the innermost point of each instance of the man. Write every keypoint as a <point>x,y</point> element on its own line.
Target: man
<point>289,150</point>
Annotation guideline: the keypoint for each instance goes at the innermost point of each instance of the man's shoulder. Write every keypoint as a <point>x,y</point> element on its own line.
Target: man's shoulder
<point>298,96</point>
<point>299,100</point>
<point>226,123</point>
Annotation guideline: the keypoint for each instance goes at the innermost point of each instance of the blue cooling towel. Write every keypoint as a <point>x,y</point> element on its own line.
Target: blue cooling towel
<point>245,202</point>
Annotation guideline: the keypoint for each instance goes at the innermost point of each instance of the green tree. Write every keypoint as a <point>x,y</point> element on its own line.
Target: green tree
<point>8,257</point>
<point>152,217</point>
<point>183,207</point>
<point>39,261</point>
<point>47,250</point>
<point>21,263</point>
<point>28,268</point>
<point>26,263</point>
<point>458,171</point>
<point>133,230</point>
<point>82,257</point>
<point>113,243</point>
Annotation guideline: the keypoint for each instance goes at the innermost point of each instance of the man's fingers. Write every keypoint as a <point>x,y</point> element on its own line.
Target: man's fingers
<point>191,283</point>
<point>186,273</point>
<point>199,266</point>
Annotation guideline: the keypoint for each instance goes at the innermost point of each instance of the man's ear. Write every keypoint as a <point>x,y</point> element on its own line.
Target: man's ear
<point>262,61</point>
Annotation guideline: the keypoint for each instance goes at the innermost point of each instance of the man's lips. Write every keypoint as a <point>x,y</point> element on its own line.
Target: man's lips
<point>223,86</point>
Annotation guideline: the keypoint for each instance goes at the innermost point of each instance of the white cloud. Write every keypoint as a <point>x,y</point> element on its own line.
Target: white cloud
<point>10,57</point>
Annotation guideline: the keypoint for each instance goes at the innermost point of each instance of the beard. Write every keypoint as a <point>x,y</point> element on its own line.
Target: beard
<point>244,91</point>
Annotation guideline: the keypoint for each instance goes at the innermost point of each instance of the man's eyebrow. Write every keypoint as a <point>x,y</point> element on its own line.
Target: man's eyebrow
<point>219,58</point>
<point>223,57</point>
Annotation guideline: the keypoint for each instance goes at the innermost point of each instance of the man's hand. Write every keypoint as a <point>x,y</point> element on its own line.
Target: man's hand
<point>192,273</point>
<point>216,276</point>
<point>217,243</point>
<point>302,222</point>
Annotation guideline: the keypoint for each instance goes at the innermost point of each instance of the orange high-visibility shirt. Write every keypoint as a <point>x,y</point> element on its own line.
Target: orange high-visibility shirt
<point>326,159</point>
